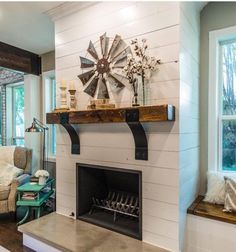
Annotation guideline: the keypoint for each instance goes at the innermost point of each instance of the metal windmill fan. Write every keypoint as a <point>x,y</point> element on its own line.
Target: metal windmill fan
<point>102,70</point>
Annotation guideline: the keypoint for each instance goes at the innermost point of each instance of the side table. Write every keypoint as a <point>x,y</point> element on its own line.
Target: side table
<point>43,192</point>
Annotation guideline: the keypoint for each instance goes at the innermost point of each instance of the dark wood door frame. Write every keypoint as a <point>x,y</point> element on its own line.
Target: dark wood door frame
<point>19,59</point>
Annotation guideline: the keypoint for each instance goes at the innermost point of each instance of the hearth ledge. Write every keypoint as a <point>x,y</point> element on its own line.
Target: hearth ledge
<point>66,234</point>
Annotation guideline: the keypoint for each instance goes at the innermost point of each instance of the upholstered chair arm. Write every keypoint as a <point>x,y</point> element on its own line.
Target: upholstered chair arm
<point>12,195</point>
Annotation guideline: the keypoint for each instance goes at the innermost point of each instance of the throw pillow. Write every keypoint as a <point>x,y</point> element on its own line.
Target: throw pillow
<point>7,154</point>
<point>230,195</point>
<point>215,188</point>
<point>8,173</point>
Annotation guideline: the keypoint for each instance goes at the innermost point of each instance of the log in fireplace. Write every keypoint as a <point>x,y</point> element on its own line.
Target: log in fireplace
<point>111,198</point>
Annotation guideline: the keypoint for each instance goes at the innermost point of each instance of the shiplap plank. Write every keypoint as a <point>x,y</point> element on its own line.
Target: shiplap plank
<point>161,193</point>
<point>154,175</point>
<point>160,226</point>
<point>156,158</point>
<point>112,145</point>
<point>162,241</point>
<point>133,14</point>
<point>160,209</point>
<point>166,54</point>
<point>159,38</point>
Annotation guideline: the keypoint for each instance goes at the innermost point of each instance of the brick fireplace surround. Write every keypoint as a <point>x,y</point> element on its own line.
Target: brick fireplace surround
<point>169,176</point>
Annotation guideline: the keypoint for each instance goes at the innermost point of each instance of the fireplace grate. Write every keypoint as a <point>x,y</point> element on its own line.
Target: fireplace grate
<point>118,203</point>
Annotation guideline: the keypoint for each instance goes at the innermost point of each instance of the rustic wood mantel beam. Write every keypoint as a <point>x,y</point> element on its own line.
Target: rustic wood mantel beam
<point>19,59</point>
<point>134,117</point>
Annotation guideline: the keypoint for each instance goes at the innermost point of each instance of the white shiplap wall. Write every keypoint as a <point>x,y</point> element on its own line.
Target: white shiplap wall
<point>206,235</point>
<point>189,111</point>
<point>112,144</point>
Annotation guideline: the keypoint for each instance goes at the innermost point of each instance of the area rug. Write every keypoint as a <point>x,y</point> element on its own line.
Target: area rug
<point>2,249</point>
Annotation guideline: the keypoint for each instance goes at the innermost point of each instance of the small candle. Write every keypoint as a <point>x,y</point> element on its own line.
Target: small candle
<point>63,83</point>
<point>72,85</point>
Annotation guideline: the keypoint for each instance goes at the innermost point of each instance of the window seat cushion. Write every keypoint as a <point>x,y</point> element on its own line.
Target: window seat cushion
<point>211,211</point>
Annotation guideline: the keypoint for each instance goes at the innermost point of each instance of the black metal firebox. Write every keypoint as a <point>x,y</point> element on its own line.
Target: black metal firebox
<point>111,198</point>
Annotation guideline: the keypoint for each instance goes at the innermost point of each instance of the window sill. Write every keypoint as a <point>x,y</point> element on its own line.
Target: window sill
<point>52,159</point>
<point>210,211</point>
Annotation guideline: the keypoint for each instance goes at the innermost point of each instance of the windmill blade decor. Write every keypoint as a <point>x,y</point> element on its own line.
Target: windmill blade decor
<point>101,66</point>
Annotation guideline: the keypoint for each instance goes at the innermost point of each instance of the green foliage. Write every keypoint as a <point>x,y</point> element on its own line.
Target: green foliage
<point>19,94</point>
<point>229,106</point>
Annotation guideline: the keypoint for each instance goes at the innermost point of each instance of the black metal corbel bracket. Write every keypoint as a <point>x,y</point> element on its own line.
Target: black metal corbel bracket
<point>74,137</point>
<point>139,135</point>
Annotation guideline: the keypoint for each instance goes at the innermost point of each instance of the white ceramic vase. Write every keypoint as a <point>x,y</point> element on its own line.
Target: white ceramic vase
<point>42,180</point>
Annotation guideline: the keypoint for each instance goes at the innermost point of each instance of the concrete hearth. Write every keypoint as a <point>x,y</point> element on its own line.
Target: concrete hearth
<point>62,233</point>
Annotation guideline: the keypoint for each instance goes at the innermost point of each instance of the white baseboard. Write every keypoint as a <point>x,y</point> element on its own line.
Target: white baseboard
<point>206,235</point>
<point>37,245</point>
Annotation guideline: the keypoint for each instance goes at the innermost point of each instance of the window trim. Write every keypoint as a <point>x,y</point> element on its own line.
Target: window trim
<point>214,91</point>
<point>45,76</point>
<point>13,86</point>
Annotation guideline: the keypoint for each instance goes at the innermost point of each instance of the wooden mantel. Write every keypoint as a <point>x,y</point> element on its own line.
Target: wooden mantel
<point>155,113</point>
<point>133,116</point>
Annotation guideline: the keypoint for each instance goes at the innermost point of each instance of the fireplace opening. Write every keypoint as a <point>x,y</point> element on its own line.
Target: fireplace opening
<point>111,198</point>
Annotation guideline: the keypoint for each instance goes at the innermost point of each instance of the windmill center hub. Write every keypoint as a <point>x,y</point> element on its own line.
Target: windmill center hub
<point>103,66</point>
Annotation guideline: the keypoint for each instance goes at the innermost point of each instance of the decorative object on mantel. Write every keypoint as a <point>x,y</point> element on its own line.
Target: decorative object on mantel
<point>63,96</point>
<point>100,104</point>
<point>134,84</point>
<point>106,69</point>
<point>43,175</point>
<point>140,66</point>
<point>72,91</point>
<point>132,116</point>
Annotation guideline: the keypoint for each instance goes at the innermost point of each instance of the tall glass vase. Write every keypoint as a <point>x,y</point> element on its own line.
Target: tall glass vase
<point>135,96</point>
<point>143,91</point>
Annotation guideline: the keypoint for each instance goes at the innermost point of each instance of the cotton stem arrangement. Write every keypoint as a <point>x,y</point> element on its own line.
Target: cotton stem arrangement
<point>140,64</point>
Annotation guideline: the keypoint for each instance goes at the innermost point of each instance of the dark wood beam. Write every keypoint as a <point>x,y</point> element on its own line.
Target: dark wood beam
<point>19,59</point>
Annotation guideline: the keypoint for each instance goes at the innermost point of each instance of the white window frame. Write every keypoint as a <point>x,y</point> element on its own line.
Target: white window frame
<point>14,136</point>
<point>47,108</point>
<point>10,120</point>
<point>214,98</point>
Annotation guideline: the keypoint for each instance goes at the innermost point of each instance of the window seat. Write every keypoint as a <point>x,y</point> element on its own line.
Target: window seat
<point>210,211</point>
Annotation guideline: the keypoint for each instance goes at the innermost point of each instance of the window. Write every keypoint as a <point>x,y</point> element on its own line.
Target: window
<point>18,115</point>
<point>222,100</point>
<point>49,104</point>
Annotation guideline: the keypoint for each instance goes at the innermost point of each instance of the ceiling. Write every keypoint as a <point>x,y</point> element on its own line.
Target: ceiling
<point>25,25</point>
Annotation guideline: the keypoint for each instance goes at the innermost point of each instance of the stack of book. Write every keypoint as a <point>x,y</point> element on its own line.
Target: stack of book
<point>34,179</point>
<point>29,196</point>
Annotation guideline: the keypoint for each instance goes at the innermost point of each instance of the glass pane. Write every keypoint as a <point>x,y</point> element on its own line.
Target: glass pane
<point>19,111</point>
<point>229,78</point>
<point>19,142</point>
<point>53,126</point>
<point>229,145</point>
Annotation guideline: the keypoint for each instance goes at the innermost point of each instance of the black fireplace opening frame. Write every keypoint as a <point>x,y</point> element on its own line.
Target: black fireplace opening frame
<point>138,233</point>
